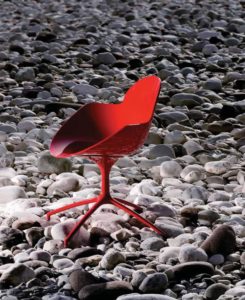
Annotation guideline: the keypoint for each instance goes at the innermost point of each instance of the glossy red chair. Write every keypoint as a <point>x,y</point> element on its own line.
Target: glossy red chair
<point>103,133</point>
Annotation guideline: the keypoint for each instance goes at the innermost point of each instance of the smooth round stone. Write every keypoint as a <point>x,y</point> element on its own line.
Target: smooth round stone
<point>109,290</point>
<point>10,236</point>
<point>125,162</point>
<point>188,99</point>
<point>10,193</point>
<point>137,278</point>
<point>162,210</point>
<point>154,296</point>
<point>17,274</point>
<point>53,246</point>
<point>193,173</point>
<point>145,187</point>
<point>152,243</point>
<point>58,297</point>
<point>207,217</point>
<point>33,235</point>
<point>221,241</point>
<point>7,172</point>
<point>60,231</point>
<point>168,181</point>
<point>154,283</point>
<point>111,259</point>
<point>192,296</point>
<point>64,185</point>
<point>21,257</point>
<point>40,255</point>
<point>173,116</point>
<point>189,270</point>
<point>242,258</point>
<point>62,263</point>
<point>170,169</point>
<point>80,278</point>
<point>168,254</point>
<point>122,234</point>
<point>209,49</point>
<point>192,147</point>
<point>49,164</point>
<point>174,137</point>
<point>25,74</point>
<point>237,291</point>
<point>191,253</point>
<point>195,192</point>
<point>153,138</point>
<point>26,125</point>
<point>185,238</point>
<point>170,226</point>
<point>84,89</point>
<point>216,259</point>
<point>215,290</point>
<point>217,167</point>
<point>161,150</point>
<point>105,58</point>
<point>213,84</point>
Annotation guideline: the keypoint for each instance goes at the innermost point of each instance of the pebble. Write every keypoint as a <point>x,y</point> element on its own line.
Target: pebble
<point>170,169</point>
<point>110,290</point>
<point>59,232</point>
<point>191,253</point>
<point>215,290</point>
<point>10,193</point>
<point>80,278</point>
<point>111,259</point>
<point>221,241</point>
<point>152,243</point>
<point>188,176</point>
<point>49,164</point>
<point>217,167</point>
<point>16,274</point>
<point>154,283</point>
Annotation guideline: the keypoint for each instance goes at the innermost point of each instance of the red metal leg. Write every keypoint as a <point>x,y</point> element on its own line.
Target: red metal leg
<point>81,222</point>
<point>66,207</point>
<point>137,216</point>
<point>135,206</point>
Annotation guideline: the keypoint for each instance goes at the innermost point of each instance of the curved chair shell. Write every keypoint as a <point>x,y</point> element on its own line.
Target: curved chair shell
<point>109,129</point>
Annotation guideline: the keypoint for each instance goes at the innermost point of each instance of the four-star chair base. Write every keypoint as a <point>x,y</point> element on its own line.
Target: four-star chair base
<point>105,163</point>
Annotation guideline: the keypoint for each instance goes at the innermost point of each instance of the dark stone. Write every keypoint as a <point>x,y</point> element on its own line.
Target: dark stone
<point>189,270</point>
<point>79,278</point>
<point>239,84</point>
<point>83,252</point>
<point>109,291</point>
<point>221,241</point>
<point>56,106</point>
<point>33,235</point>
<point>135,63</point>
<point>10,237</point>
<point>229,111</point>
<point>46,36</point>
<point>215,290</point>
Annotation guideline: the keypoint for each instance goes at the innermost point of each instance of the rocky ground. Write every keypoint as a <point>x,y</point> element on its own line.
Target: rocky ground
<point>189,176</point>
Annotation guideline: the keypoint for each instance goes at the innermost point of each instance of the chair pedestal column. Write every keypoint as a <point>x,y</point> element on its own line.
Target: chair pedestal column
<point>105,164</point>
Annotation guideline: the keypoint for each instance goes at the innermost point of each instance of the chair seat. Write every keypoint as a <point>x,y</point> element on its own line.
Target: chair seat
<point>109,129</point>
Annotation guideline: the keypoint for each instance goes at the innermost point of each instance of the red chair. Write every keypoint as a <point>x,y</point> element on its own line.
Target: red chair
<point>103,133</point>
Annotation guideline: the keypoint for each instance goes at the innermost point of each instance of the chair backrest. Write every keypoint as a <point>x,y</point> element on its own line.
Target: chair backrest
<point>140,100</point>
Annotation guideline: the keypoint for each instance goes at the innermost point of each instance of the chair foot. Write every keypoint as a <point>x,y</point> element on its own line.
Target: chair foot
<point>81,222</point>
<point>137,216</point>
<point>135,206</point>
<point>69,206</point>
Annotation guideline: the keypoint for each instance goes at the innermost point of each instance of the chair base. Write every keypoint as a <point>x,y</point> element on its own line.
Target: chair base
<point>98,201</point>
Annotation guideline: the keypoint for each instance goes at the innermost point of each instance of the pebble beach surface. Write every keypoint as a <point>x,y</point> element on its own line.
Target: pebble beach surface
<point>189,177</point>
